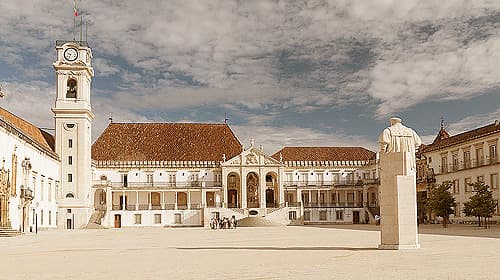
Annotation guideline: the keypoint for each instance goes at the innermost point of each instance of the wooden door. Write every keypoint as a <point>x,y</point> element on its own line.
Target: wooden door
<point>355,217</point>
<point>118,221</point>
<point>155,199</point>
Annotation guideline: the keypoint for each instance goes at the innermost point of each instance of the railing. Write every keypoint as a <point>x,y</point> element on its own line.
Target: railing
<point>356,204</point>
<point>339,183</point>
<point>163,206</point>
<point>473,163</point>
<point>293,204</point>
<point>158,185</point>
<point>27,194</point>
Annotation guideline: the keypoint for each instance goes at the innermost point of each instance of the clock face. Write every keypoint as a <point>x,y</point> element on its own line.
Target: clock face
<point>71,54</point>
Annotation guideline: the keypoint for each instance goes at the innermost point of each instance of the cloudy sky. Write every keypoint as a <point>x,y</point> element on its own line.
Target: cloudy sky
<point>302,73</point>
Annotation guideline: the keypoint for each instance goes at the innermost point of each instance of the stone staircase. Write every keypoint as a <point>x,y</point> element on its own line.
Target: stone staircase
<point>96,219</point>
<point>8,232</point>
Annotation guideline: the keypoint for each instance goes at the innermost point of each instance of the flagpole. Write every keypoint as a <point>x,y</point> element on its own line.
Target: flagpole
<point>74,26</point>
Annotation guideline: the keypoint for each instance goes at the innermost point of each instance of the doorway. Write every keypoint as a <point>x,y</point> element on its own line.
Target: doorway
<point>69,223</point>
<point>270,203</point>
<point>210,199</point>
<point>355,217</point>
<point>232,196</point>
<point>118,221</point>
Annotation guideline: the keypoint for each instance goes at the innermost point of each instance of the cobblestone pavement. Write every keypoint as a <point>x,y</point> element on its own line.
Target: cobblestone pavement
<point>244,253</point>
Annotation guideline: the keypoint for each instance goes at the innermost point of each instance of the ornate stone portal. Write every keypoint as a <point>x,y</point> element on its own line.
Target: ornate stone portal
<point>4,196</point>
<point>252,191</point>
<point>398,194</point>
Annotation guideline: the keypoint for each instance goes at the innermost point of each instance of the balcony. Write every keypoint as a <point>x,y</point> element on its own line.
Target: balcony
<point>353,204</point>
<point>158,185</point>
<point>27,194</point>
<point>327,184</point>
<point>468,164</point>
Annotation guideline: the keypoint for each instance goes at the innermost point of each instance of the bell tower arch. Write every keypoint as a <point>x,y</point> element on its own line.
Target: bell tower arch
<point>73,124</point>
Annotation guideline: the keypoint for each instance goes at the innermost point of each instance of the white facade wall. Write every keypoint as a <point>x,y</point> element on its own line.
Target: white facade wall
<point>42,180</point>
<point>460,173</point>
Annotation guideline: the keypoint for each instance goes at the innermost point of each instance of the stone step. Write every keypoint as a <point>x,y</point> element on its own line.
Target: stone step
<point>257,222</point>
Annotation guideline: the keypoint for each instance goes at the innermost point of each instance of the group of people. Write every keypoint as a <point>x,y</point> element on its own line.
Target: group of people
<point>224,223</point>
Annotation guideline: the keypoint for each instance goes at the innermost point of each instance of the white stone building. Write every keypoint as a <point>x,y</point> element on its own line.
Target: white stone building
<point>165,174</point>
<point>29,175</point>
<point>466,158</point>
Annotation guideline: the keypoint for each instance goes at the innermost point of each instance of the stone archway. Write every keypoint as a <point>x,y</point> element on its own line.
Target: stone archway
<point>233,190</point>
<point>253,190</point>
<point>100,199</point>
<point>272,192</point>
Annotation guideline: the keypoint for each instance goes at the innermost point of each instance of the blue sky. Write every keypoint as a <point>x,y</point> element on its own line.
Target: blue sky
<point>302,73</point>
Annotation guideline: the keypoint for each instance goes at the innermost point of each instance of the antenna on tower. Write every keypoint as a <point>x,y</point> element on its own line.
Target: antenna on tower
<point>86,30</point>
<point>81,28</point>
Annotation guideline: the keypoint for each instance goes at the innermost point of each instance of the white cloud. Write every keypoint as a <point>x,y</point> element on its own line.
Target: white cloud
<point>274,138</point>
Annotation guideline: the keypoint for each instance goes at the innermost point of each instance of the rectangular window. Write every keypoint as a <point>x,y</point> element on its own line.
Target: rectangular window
<point>468,187</point>
<point>70,160</point>
<point>454,159</point>
<point>456,186</point>
<point>42,189</point>
<point>34,217</point>
<point>50,218</point>
<point>137,219</point>
<point>480,178</point>
<point>41,217</point>
<point>70,177</point>
<point>479,156</point>
<point>322,215</point>
<point>444,164</point>
<point>50,191</point>
<point>339,215</point>
<point>149,178</point>
<point>307,216</point>
<point>467,159</point>
<point>494,181</point>
<point>157,218</point>
<point>70,143</point>
<point>292,215</point>
<point>493,153</point>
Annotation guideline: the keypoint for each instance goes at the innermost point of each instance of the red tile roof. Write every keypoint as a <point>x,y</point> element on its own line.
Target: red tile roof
<point>440,143</point>
<point>324,154</point>
<point>43,140</point>
<point>165,142</point>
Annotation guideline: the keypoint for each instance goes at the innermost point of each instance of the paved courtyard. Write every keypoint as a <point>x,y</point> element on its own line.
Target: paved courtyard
<point>244,253</point>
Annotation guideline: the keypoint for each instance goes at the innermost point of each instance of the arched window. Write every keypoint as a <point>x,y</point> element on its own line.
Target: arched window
<point>71,88</point>
<point>70,195</point>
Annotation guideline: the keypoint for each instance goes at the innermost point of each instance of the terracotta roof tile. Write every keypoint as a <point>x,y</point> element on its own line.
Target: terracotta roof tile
<point>440,143</point>
<point>45,140</point>
<point>324,154</point>
<point>165,142</point>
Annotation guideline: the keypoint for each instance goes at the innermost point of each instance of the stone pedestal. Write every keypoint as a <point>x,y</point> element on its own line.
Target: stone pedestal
<point>398,202</point>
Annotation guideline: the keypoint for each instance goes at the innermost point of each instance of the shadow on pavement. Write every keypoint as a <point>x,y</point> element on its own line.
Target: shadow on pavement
<point>264,248</point>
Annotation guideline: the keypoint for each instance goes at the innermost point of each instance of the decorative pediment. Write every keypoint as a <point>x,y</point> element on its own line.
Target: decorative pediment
<point>252,157</point>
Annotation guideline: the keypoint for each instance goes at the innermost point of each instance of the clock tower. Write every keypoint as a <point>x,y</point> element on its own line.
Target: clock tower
<point>73,124</point>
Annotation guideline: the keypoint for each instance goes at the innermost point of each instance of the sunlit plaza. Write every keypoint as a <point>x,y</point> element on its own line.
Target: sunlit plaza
<point>339,252</point>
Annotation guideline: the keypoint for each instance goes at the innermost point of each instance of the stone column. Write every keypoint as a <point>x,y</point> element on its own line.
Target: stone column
<point>398,202</point>
<point>243,190</point>
<point>262,189</point>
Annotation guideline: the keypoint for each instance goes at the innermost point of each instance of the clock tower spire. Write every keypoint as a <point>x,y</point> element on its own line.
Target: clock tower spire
<point>73,124</point>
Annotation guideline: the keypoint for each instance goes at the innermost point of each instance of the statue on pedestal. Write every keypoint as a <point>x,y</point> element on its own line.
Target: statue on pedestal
<point>399,138</point>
